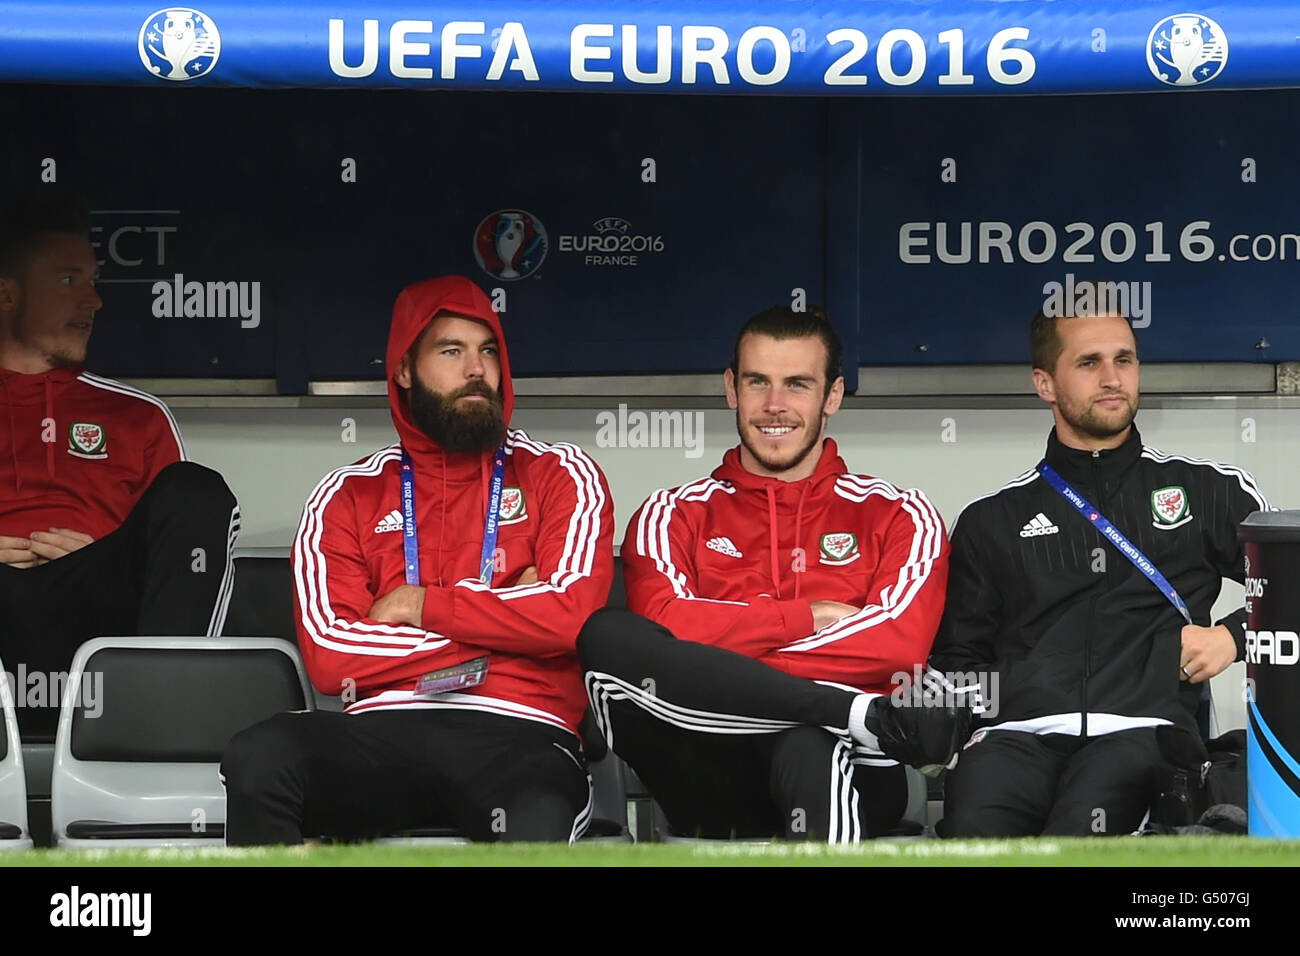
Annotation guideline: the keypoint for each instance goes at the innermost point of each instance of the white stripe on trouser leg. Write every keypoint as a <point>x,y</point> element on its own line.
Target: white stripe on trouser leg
<point>583,819</point>
<point>702,721</point>
<point>600,709</point>
<point>844,826</point>
<point>218,620</point>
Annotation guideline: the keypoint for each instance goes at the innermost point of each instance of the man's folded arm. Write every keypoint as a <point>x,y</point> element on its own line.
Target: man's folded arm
<point>339,643</point>
<point>893,632</point>
<point>660,576</point>
<point>574,557</point>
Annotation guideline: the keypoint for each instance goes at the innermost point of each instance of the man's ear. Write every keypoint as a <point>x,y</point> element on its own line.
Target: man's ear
<point>1044,386</point>
<point>402,374</point>
<point>729,379</point>
<point>832,403</point>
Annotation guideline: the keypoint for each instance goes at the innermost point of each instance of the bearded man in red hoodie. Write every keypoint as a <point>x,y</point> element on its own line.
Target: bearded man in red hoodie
<point>105,527</point>
<point>441,584</point>
<point>776,609</point>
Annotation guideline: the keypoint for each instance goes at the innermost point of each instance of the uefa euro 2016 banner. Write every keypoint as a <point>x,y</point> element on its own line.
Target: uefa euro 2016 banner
<point>755,46</point>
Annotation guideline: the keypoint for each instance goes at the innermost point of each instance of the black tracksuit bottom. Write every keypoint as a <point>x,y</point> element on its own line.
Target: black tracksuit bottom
<point>1011,783</point>
<point>488,776</point>
<point>165,571</point>
<point>729,746</point>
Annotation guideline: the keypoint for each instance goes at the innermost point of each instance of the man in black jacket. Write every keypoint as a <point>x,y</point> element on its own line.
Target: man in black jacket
<point>1081,654</point>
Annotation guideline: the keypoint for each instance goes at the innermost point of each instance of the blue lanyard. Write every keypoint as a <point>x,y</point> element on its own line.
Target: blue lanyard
<point>486,557</point>
<point>1114,536</point>
<point>411,538</point>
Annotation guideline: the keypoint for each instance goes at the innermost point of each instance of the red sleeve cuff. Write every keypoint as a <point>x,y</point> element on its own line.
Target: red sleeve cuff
<point>439,609</point>
<point>796,619</point>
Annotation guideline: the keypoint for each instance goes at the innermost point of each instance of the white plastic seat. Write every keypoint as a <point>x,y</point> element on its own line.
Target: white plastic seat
<point>14,834</point>
<point>136,759</point>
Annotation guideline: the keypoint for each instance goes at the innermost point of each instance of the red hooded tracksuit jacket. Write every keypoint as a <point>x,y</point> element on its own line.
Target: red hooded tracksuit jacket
<point>736,559</point>
<point>81,450</point>
<point>556,514</point>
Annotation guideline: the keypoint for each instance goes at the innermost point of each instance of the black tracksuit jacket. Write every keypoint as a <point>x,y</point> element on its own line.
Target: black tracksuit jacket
<point>1067,623</point>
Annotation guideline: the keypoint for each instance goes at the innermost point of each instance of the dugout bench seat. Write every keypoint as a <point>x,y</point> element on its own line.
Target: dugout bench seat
<point>14,834</point>
<point>261,605</point>
<point>137,766</point>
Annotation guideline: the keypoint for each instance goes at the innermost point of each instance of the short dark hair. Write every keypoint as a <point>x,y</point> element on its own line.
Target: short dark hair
<point>25,222</point>
<point>1045,343</point>
<point>782,322</point>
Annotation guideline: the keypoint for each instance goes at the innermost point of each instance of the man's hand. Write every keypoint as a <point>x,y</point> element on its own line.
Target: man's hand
<point>826,613</point>
<point>527,576</point>
<point>1207,652</point>
<point>57,542</point>
<point>17,552</point>
<point>920,735</point>
<point>41,547</point>
<point>404,604</point>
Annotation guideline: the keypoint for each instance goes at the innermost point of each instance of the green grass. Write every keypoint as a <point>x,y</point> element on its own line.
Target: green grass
<point>1131,851</point>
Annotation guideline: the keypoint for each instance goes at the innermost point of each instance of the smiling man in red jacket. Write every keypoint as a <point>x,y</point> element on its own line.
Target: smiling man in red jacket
<point>441,584</point>
<point>776,603</point>
<point>105,527</point>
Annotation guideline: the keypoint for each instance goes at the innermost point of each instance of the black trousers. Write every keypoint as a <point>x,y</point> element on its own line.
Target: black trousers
<point>730,746</point>
<point>1020,784</point>
<point>165,571</point>
<point>359,776</point>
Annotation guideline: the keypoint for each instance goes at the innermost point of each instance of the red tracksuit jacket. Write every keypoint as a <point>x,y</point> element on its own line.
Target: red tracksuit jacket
<point>736,559</point>
<point>78,450</point>
<point>556,514</point>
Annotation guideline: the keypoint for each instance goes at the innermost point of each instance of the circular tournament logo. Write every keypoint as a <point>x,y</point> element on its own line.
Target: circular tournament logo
<point>179,43</point>
<point>1187,49</point>
<point>510,244</point>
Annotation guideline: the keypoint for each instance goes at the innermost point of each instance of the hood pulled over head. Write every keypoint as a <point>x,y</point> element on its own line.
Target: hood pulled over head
<point>417,306</point>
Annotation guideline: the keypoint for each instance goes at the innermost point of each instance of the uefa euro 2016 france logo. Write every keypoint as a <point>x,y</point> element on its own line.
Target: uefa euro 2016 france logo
<point>179,44</point>
<point>510,244</point>
<point>1187,50</point>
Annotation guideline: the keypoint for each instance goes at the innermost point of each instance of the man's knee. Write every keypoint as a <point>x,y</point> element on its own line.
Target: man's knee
<point>605,632</point>
<point>263,757</point>
<point>192,485</point>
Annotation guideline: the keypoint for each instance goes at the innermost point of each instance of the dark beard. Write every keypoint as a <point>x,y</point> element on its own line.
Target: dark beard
<point>803,453</point>
<point>1094,426</point>
<point>475,427</point>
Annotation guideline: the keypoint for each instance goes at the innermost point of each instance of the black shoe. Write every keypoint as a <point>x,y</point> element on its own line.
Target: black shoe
<point>925,737</point>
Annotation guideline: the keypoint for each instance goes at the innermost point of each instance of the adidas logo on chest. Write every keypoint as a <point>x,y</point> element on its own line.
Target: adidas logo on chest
<point>390,522</point>
<point>1039,525</point>
<point>723,545</point>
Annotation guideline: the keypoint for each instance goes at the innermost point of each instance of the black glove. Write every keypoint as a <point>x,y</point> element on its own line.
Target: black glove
<point>925,737</point>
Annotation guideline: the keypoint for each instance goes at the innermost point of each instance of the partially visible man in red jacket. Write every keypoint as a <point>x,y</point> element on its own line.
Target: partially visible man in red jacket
<point>441,584</point>
<point>777,602</point>
<point>105,527</point>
